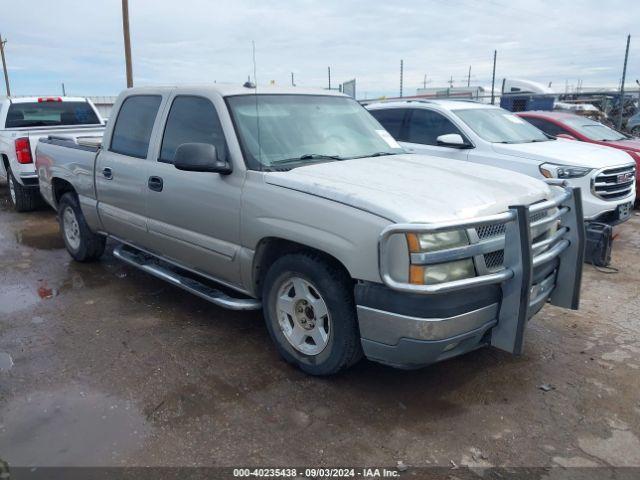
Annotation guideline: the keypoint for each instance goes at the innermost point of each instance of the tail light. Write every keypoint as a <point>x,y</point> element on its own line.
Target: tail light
<point>23,150</point>
<point>49,99</point>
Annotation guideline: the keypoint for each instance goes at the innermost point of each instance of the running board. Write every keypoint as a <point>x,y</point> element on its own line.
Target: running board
<point>157,268</point>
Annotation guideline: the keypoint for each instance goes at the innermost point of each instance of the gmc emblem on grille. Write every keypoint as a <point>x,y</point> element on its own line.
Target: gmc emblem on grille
<point>624,177</point>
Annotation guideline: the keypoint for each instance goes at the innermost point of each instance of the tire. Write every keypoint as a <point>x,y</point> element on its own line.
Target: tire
<point>23,199</point>
<point>82,244</point>
<point>317,343</point>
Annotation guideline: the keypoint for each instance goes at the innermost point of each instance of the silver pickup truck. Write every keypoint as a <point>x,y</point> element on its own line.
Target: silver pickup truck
<point>298,202</point>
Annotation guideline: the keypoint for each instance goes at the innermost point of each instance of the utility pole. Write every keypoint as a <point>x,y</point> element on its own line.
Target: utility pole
<point>469,77</point>
<point>401,75</point>
<point>4,66</point>
<point>424,82</point>
<point>624,77</point>
<point>450,82</point>
<point>127,42</point>
<point>64,91</point>
<point>493,77</point>
<point>293,83</point>
<point>329,73</point>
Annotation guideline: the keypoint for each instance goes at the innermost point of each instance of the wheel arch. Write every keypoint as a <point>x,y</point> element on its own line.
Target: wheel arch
<point>5,163</point>
<point>59,187</point>
<point>270,249</point>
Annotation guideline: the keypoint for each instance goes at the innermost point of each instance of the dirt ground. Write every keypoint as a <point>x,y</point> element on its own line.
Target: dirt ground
<point>101,364</point>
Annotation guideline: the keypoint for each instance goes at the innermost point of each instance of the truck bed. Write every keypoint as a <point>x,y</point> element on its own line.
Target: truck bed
<point>69,159</point>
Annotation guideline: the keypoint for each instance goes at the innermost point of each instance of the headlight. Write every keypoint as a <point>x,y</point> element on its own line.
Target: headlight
<point>430,242</point>
<point>440,272</point>
<point>550,170</point>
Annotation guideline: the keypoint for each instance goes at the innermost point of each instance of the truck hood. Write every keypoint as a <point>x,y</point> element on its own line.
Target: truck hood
<point>565,152</point>
<point>414,188</point>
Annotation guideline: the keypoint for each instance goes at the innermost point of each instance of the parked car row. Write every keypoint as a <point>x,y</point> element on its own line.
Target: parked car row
<point>489,135</point>
<point>298,202</point>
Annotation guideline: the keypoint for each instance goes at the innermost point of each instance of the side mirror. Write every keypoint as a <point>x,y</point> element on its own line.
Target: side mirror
<point>566,136</point>
<point>452,140</point>
<point>200,157</point>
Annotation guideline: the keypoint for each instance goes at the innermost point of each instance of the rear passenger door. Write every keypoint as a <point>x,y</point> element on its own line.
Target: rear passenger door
<point>121,169</point>
<point>424,127</point>
<point>194,217</point>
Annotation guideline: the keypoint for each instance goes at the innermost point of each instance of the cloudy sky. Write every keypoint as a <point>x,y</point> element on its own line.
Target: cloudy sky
<point>197,41</point>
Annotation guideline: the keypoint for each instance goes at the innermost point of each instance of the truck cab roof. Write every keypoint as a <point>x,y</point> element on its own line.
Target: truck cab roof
<point>230,89</point>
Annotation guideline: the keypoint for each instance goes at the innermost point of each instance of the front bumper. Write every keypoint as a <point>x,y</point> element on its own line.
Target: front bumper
<point>410,326</point>
<point>597,205</point>
<point>410,330</point>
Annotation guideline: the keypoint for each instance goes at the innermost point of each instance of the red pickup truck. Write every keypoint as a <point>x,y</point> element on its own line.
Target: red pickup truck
<point>575,127</point>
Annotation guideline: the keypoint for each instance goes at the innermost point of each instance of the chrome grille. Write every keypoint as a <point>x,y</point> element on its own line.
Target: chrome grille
<point>490,231</point>
<point>497,230</point>
<point>614,183</point>
<point>494,261</point>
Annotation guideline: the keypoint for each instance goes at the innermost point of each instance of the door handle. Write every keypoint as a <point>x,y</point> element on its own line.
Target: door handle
<point>107,173</point>
<point>155,184</point>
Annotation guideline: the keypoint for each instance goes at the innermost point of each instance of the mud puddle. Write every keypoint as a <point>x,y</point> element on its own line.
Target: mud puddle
<point>72,426</point>
<point>44,236</point>
<point>16,297</point>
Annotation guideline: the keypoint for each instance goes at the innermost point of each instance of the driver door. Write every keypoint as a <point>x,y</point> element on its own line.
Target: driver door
<point>194,217</point>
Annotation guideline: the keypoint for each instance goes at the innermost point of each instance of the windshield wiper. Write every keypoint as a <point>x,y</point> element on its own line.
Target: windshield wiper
<point>308,156</point>
<point>376,154</point>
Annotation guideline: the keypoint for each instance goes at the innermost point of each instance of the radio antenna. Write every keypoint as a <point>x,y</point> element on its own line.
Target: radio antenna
<point>255,86</point>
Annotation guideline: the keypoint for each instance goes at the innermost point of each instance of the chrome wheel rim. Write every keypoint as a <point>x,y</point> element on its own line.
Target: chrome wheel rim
<point>12,189</point>
<point>303,316</point>
<point>71,228</point>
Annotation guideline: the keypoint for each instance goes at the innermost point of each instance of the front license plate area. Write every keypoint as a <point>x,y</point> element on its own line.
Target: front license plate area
<point>624,211</point>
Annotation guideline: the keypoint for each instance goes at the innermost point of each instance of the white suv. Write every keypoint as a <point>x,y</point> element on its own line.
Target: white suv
<point>480,133</point>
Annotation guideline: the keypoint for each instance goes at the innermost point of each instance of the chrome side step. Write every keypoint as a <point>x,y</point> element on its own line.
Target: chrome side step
<point>158,268</point>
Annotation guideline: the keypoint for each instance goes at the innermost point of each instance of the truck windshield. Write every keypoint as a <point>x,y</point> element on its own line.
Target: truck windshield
<point>500,126</point>
<point>50,114</point>
<point>594,130</point>
<point>281,129</point>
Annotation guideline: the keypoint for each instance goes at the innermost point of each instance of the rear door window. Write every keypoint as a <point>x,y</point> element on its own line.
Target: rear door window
<point>134,124</point>
<point>425,126</point>
<point>546,126</point>
<point>392,119</point>
<point>192,120</point>
<point>50,114</point>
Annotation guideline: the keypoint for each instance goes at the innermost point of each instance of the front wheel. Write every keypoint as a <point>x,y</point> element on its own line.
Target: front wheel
<point>310,313</point>
<point>82,244</point>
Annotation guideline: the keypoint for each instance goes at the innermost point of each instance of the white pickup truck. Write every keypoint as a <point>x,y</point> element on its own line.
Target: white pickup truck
<point>299,203</point>
<point>23,121</point>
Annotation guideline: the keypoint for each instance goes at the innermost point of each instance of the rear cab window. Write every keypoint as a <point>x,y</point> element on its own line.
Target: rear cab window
<point>50,114</point>
<point>134,125</point>
<point>192,119</point>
